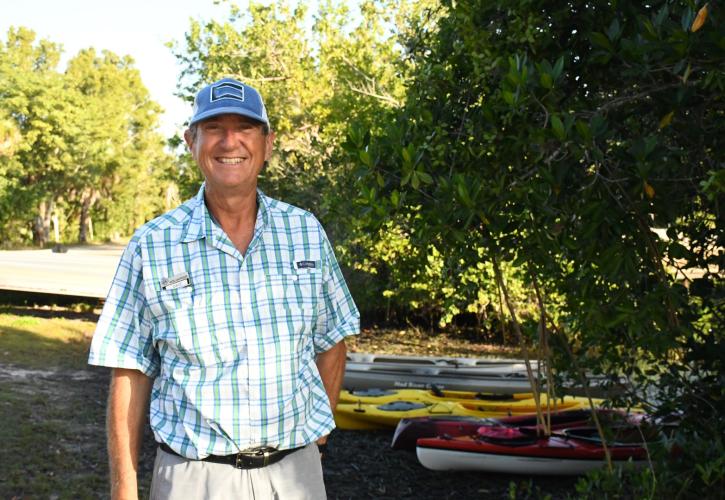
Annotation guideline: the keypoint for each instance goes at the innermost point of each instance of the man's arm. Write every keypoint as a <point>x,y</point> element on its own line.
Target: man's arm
<point>127,409</point>
<point>331,365</point>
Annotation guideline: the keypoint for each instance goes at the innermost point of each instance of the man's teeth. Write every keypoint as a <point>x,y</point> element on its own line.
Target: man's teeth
<point>230,160</point>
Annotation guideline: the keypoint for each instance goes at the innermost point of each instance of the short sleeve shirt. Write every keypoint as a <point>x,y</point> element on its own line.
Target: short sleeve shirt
<point>229,339</point>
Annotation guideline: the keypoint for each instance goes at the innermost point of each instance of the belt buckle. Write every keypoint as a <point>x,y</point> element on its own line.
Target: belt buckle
<point>262,451</point>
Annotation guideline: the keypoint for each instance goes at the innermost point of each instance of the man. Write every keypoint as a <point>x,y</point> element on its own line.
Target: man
<point>229,314</point>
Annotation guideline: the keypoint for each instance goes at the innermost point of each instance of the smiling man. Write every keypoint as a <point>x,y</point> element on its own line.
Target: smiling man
<point>226,320</point>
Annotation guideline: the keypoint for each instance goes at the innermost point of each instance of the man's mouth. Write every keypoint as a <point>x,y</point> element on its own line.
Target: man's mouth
<point>231,161</point>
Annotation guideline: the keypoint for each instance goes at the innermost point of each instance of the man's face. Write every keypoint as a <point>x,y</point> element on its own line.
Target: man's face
<point>230,151</point>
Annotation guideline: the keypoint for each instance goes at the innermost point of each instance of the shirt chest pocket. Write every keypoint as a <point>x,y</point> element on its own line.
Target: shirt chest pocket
<point>288,301</point>
<point>289,289</point>
<point>203,325</point>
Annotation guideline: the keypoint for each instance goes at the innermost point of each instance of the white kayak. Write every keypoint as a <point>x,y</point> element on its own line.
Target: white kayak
<point>563,454</point>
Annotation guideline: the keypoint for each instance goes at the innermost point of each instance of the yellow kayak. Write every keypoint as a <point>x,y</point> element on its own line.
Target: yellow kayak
<point>381,396</point>
<point>360,416</point>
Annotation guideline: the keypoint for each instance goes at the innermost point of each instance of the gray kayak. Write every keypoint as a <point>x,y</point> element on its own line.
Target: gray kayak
<point>496,375</point>
<point>443,361</point>
<point>507,378</point>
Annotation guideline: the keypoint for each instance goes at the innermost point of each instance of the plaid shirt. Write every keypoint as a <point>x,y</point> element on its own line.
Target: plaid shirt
<point>231,340</point>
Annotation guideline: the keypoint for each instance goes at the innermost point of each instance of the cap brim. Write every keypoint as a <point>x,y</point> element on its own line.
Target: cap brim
<point>230,110</point>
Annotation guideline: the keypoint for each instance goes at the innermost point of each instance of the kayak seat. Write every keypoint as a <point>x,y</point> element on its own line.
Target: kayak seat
<point>401,406</point>
<point>494,397</point>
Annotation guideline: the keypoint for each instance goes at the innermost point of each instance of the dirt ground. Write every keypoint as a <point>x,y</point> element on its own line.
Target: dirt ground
<point>53,437</point>
<point>53,447</point>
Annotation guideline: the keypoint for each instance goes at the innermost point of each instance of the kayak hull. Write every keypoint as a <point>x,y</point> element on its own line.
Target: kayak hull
<point>441,460</point>
<point>554,455</point>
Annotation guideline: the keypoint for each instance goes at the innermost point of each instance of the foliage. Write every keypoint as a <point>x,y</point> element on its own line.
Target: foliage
<point>559,137</point>
<point>81,144</point>
<point>690,466</point>
<point>347,69</point>
<point>314,82</point>
<point>424,282</point>
<point>625,482</point>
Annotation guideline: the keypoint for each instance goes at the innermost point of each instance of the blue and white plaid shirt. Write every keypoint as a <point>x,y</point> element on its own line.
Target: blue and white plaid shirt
<point>230,340</point>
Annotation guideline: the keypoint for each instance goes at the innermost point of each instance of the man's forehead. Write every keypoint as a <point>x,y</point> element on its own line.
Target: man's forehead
<point>225,117</point>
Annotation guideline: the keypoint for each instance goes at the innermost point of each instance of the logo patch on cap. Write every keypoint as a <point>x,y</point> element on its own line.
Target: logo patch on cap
<point>226,90</point>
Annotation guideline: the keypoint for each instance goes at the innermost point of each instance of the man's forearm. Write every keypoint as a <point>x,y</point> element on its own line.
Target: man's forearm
<point>331,365</point>
<point>127,408</point>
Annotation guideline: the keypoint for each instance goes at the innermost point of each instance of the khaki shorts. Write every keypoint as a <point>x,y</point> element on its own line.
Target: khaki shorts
<point>296,476</point>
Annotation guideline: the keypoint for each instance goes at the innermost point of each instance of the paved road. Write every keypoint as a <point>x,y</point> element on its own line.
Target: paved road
<point>82,271</point>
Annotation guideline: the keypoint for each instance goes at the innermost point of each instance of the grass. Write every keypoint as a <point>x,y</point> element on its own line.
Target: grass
<point>52,409</point>
<point>41,343</point>
<point>41,447</point>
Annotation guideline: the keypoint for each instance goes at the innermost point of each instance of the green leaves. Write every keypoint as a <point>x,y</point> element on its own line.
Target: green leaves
<point>602,41</point>
<point>558,127</point>
<point>548,75</point>
<point>83,145</point>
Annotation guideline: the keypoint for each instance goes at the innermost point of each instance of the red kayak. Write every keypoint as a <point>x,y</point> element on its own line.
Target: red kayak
<point>521,451</point>
<point>409,430</point>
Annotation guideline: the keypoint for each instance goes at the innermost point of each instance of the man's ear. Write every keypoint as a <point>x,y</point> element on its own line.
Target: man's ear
<point>269,146</point>
<point>188,138</point>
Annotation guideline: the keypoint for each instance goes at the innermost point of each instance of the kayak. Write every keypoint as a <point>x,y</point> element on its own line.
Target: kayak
<point>494,375</point>
<point>504,450</point>
<point>359,416</point>
<point>497,375</point>
<point>362,357</point>
<point>371,416</point>
<point>379,396</point>
<point>409,430</point>
<point>497,380</point>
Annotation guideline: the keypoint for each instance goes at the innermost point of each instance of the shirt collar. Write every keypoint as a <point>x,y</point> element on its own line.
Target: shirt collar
<point>201,225</point>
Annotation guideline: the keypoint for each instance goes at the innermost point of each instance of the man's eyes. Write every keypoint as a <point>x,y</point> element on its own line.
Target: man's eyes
<point>214,128</point>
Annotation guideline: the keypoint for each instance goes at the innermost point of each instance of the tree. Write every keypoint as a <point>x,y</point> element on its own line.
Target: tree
<point>558,136</point>
<point>79,142</point>
<point>118,152</point>
<point>314,83</point>
<point>34,96</point>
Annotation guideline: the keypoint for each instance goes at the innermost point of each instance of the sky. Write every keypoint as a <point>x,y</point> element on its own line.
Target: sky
<point>131,27</point>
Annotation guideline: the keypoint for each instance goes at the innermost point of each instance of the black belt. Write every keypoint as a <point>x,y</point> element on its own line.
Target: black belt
<point>247,459</point>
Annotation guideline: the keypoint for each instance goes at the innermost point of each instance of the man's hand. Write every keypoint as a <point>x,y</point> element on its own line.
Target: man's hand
<point>127,409</point>
<point>331,365</point>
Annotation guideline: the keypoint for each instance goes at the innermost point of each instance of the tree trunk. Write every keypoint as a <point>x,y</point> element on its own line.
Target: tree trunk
<point>41,224</point>
<point>56,228</point>
<point>88,198</point>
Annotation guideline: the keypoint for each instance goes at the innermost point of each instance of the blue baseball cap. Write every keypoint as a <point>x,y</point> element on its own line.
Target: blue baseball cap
<point>229,96</point>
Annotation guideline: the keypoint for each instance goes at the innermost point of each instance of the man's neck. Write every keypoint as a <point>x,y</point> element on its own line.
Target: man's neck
<point>236,213</point>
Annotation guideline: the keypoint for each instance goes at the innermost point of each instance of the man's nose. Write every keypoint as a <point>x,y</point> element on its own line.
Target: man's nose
<point>229,139</point>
